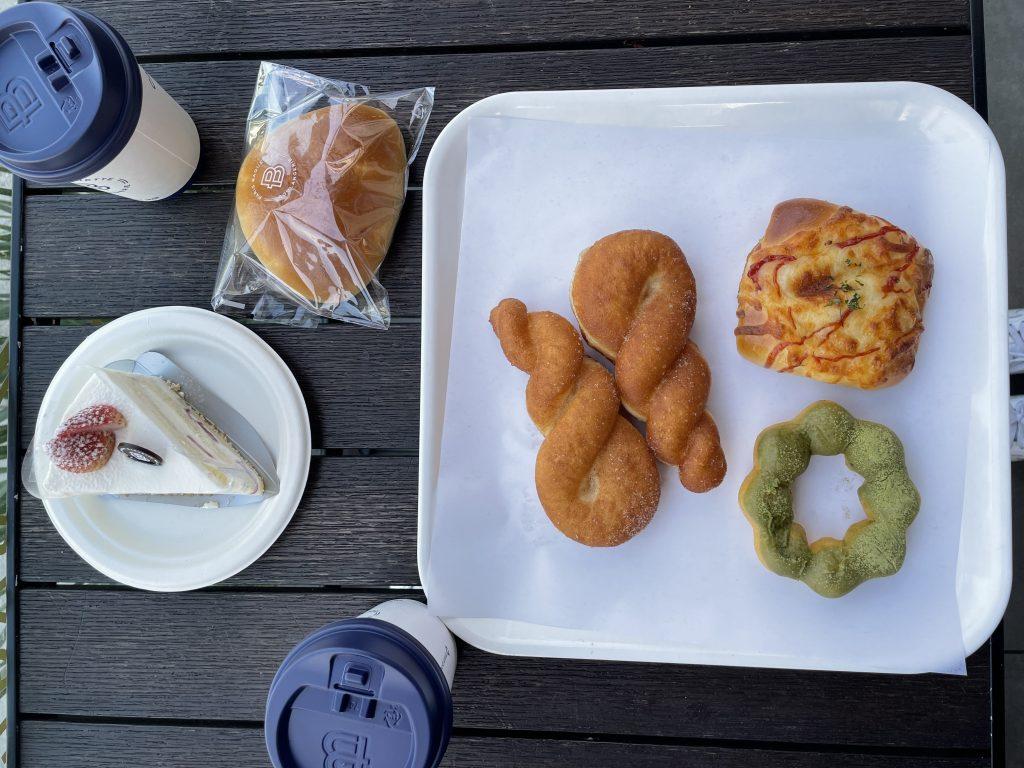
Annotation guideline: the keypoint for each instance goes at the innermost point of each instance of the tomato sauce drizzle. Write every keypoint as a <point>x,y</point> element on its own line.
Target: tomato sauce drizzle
<point>890,284</point>
<point>756,267</point>
<point>910,259</point>
<point>834,326</point>
<point>760,330</point>
<point>915,331</point>
<point>870,236</point>
<point>775,352</point>
<point>837,358</point>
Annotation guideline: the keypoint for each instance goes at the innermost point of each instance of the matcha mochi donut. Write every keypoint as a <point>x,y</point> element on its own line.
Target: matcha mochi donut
<point>871,548</point>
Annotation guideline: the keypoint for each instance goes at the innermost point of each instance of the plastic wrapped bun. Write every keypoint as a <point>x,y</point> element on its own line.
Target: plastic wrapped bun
<point>317,199</point>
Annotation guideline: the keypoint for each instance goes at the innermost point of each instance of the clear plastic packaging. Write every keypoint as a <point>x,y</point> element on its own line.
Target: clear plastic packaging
<point>317,198</point>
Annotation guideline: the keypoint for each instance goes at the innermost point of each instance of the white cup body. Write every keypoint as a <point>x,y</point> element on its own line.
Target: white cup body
<point>414,618</point>
<point>161,155</point>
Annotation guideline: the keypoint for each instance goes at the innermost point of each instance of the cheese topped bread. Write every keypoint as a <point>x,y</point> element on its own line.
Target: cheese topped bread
<point>834,295</point>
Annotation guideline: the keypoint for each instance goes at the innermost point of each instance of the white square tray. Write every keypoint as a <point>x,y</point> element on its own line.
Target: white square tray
<point>984,568</point>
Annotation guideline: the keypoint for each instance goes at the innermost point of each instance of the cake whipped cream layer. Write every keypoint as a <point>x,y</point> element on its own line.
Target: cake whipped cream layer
<point>196,457</point>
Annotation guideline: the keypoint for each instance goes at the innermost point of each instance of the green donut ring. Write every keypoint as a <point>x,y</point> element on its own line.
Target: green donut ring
<point>871,548</point>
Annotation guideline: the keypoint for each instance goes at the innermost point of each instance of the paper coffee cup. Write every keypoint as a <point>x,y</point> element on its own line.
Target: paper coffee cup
<point>76,107</point>
<point>370,691</point>
<point>414,618</point>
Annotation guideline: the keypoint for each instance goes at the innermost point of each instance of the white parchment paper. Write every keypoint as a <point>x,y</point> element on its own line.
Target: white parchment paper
<point>537,193</point>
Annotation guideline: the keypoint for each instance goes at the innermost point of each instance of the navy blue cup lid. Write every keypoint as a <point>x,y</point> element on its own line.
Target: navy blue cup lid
<point>359,693</point>
<point>70,92</point>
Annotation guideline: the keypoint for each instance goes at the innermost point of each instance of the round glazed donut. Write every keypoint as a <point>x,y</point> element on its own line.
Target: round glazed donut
<point>635,298</point>
<point>871,548</point>
<point>596,478</point>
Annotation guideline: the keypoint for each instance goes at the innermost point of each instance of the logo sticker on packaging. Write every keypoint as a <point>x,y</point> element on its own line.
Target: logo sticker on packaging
<point>273,176</point>
<point>273,180</point>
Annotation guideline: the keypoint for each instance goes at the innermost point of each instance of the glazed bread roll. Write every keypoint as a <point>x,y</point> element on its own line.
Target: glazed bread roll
<point>318,199</point>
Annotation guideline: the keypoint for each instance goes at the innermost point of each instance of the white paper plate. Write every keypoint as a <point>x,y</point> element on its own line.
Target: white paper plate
<point>845,111</point>
<point>168,548</point>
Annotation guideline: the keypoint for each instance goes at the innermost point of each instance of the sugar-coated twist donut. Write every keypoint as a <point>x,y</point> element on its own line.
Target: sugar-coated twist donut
<point>635,299</point>
<point>596,477</point>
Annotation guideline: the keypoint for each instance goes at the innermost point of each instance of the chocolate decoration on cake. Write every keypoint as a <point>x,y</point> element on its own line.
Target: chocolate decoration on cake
<point>140,454</point>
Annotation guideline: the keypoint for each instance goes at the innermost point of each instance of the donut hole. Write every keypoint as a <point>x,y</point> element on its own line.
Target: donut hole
<point>825,498</point>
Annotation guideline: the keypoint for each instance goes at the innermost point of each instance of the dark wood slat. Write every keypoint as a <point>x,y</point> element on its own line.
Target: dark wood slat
<point>163,255</point>
<point>320,25</point>
<point>361,386</point>
<point>102,745</point>
<point>210,656</point>
<point>355,527</point>
<point>1013,707</point>
<point>217,95</point>
<point>1013,623</point>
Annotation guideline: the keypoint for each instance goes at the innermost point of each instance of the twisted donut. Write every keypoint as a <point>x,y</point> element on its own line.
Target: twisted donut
<point>596,478</point>
<point>635,298</point>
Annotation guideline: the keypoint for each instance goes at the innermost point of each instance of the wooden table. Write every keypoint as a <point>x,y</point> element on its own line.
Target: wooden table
<point>109,676</point>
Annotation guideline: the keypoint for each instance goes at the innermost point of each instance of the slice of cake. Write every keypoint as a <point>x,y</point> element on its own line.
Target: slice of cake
<point>127,433</point>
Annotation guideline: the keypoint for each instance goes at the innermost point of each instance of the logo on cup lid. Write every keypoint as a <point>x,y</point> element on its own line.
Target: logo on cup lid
<point>273,180</point>
<point>345,750</point>
<point>18,103</point>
